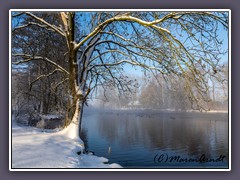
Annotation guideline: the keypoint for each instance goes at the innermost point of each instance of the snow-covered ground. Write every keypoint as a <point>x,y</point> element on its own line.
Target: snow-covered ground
<point>35,148</point>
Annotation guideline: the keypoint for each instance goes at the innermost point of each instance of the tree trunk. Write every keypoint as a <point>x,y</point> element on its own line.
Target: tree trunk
<point>74,126</point>
<point>80,118</point>
<point>72,130</point>
<point>76,117</point>
<point>77,76</point>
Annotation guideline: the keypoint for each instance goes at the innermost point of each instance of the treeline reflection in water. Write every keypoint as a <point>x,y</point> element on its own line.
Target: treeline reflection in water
<point>133,139</point>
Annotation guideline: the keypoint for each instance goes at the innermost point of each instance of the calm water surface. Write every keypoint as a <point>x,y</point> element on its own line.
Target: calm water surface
<point>151,139</point>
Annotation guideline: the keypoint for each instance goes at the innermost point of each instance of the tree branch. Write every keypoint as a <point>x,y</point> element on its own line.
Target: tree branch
<point>42,76</point>
<point>29,24</point>
<point>54,28</point>
<point>120,18</point>
<point>29,58</point>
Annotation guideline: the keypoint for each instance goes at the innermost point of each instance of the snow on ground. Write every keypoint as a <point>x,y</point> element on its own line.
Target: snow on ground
<point>35,148</point>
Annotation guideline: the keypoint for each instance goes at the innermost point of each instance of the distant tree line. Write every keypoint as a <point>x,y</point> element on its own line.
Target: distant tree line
<point>153,92</point>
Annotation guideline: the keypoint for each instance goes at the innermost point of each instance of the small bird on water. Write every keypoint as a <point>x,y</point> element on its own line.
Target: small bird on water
<point>109,150</point>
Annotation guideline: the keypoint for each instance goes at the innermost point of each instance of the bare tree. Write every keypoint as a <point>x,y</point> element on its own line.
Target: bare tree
<point>112,97</point>
<point>219,89</point>
<point>184,44</point>
<point>159,94</point>
<point>42,84</point>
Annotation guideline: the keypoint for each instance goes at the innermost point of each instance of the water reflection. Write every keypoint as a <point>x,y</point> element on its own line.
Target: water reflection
<point>137,135</point>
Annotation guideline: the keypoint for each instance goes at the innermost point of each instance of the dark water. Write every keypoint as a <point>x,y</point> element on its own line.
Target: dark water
<point>145,139</point>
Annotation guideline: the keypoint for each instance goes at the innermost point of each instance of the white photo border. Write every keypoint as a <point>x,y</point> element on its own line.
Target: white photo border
<point>117,169</point>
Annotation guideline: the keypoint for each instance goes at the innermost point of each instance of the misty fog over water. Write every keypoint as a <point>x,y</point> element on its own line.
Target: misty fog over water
<point>133,138</point>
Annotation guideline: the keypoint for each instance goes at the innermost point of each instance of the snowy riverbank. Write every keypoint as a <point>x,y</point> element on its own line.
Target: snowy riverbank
<point>35,148</point>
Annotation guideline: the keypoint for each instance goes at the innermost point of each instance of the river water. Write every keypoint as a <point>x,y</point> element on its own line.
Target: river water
<point>154,139</point>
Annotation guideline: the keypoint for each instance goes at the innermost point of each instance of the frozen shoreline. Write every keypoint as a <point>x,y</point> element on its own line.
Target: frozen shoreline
<point>35,148</point>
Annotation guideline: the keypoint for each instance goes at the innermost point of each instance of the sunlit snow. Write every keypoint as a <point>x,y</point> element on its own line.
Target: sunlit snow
<point>35,148</point>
